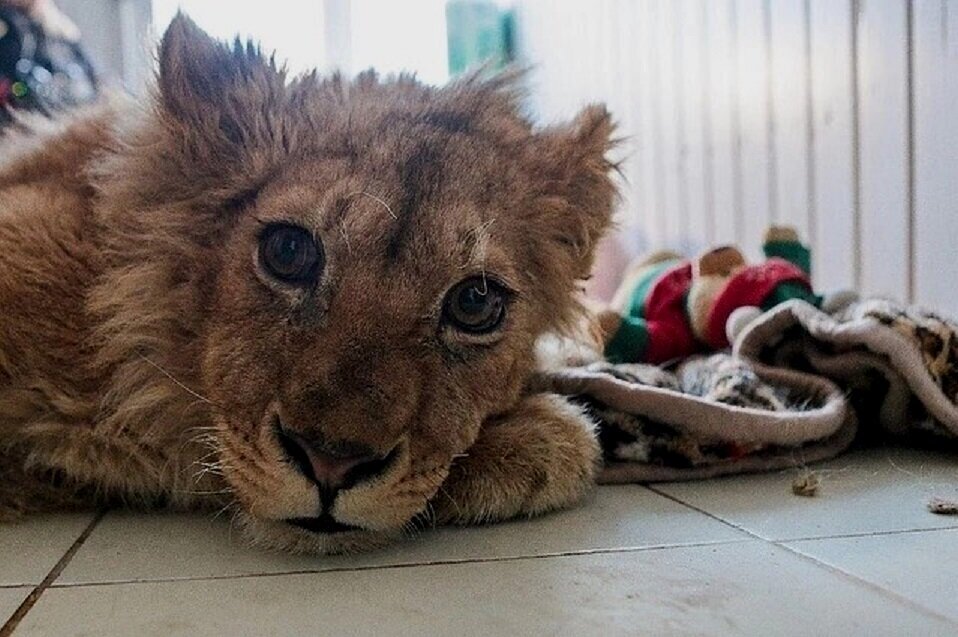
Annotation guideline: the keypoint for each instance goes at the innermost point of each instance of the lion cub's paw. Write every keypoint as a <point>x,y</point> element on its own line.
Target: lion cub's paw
<point>541,456</point>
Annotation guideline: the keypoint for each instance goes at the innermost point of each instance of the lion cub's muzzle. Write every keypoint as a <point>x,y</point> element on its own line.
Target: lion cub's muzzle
<point>332,468</point>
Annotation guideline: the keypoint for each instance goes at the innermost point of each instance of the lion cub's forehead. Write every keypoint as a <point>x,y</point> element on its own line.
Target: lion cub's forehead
<point>414,193</point>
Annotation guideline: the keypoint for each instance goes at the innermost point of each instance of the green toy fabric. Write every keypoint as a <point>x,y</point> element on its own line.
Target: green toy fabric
<point>798,254</point>
<point>791,251</point>
<point>641,293</point>
<point>655,328</point>
<point>789,290</point>
<point>631,340</point>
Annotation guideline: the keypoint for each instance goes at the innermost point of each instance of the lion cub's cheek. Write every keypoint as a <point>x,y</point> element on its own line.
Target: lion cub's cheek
<point>285,504</point>
<point>272,498</point>
<point>260,477</point>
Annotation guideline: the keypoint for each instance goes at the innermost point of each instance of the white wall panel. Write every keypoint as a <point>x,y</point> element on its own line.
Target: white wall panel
<point>667,147</point>
<point>722,120</point>
<point>837,116</point>
<point>752,66</point>
<point>690,35</point>
<point>883,117</point>
<point>935,30</point>
<point>790,112</point>
<point>834,261</point>
<point>642,143</point>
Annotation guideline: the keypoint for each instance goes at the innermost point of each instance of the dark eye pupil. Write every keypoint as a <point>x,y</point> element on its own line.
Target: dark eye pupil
<point>476,305</point>
<point>473,301</point>
<point>290,254</point>
<point>288,251</point>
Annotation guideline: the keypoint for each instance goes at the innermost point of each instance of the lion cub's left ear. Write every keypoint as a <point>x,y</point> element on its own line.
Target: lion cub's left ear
<point>578,192</point>
<point>221,93</point>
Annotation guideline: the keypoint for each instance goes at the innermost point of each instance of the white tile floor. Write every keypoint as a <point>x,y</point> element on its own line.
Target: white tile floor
<point>732,556</point>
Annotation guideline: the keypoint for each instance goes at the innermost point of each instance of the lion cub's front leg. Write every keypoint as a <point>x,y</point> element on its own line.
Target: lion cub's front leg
<point>541,456</point>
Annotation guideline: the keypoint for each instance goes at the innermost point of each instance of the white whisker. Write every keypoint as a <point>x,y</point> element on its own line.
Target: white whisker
<point>376,199</point>
<point>177,382</point>
<point>342,231</point>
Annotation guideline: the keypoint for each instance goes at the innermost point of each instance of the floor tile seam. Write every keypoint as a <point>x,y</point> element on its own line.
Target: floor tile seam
<point>709,514</point>
<point>427,564</point>
<point>864,534</point>
<point>873,586</point>
<point>10,625</point>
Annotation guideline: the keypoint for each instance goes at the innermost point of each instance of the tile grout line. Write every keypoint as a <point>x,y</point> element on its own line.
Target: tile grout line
<point>386,567</point>
<point>27,604</point>
<point>737,527</point>
<point>863,534</point>
<point>907,601</point>
<point>801,538</point>
<point>50,580</point>
<point>782,544</point>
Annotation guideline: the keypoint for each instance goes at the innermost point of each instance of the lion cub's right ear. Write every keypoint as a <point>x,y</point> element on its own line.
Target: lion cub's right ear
<point>576,173</point>
<point>216,90</point>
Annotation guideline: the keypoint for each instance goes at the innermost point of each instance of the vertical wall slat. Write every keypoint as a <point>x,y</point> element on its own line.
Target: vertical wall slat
<point>883,116</point>
<point>690,14</point>
<point>531,22</point>
<point>790,109</point>
<point>651,214</point>
<point>935,33</point>
<point>614,92</point>
<point>722,97</point>
<point>753,111</point>
<point>667,140</point>
<point>833,158</point>
<point>622,96</point>
<point>628,116</point>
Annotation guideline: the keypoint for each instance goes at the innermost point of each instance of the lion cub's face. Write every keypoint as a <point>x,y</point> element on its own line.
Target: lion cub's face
<point>382,258</point>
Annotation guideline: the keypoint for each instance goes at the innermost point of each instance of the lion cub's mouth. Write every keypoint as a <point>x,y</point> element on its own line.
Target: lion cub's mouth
<point>331,473</point>
<point>324,523</point>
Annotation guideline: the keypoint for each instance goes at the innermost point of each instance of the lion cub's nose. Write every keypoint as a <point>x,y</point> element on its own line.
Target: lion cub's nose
<point>332,469</point>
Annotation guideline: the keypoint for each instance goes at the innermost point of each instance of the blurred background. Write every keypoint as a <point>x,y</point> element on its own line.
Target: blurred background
<point>835,116</point>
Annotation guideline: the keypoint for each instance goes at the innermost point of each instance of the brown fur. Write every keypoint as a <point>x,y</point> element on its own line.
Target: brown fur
<point>144,354</point>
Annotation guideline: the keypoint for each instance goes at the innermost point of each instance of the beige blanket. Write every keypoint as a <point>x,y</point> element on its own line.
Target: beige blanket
<point>799,386</point>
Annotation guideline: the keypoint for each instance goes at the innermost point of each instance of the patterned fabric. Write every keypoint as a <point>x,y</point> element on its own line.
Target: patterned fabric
<point>898,363</point>
<point>934,336</point>
<point>799,385</point>
<point>720,378</point>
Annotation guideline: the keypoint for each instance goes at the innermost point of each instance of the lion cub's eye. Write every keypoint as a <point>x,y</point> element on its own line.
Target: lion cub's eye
<point>475,305</point>
<point>290,254</point>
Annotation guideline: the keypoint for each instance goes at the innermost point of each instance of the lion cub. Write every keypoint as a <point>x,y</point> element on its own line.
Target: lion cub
<point>311,300</point>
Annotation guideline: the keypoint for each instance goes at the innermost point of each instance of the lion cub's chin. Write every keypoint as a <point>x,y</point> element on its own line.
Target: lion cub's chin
<point>281,536</point>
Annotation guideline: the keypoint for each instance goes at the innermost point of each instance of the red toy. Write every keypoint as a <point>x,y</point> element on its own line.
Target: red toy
<point>668,308</point>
